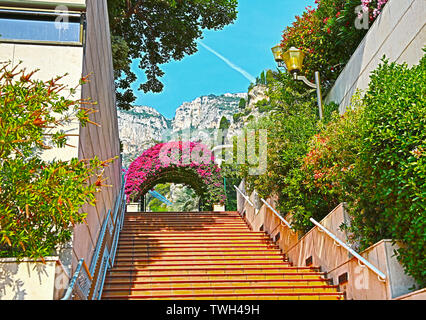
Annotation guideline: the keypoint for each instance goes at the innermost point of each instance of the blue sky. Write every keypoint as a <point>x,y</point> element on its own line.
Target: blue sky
<point>245,45</point>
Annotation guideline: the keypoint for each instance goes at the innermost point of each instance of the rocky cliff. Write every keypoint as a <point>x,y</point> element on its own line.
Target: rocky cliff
<point>143,127</point>
<point>140,128</point>
<point>206,112</point>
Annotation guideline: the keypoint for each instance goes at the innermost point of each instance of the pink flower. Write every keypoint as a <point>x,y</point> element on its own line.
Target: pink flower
<point>170,157</point>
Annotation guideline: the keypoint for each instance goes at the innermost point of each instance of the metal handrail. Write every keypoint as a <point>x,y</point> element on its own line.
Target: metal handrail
<point>278,215</point>
<point>74,281</point>
<point>244,196</point>
<point>353,252</point>
<point>381,275</point>
<point>102,253</point>
<point>70,289</point>
<point>106,254</point>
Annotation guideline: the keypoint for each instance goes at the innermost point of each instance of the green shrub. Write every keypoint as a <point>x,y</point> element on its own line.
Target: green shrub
<point>242,104</point>
<point>290,125</point>
<point>328,35</point>
<point>325,177</point>
<point>237,116</point>
<point>263,106</point>
<point>40,200</point>
<point>373,158</point>
<point>390,201</point>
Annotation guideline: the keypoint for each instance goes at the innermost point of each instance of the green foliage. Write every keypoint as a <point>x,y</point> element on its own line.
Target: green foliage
<point>328,35</point>
<point>242,104</point>
<point>224,123</point>
<point>291,123</point>
<point>263,106</point>
<point>187,200</point>
<point>372,157</point>
<point>325,177</point>
<point>155,205</point>
<point>264,78</point>
<point>155,32</point>
<point>390,200</point>
<point>237,116</point>
<point>261,79</point>
<point>231,177</point>
<point>39,200</point>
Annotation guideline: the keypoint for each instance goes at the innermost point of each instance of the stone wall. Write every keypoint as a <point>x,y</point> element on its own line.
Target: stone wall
<point>399,33</point>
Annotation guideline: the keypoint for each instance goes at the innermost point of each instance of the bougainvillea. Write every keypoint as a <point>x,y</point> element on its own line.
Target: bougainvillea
<point>189,163</point>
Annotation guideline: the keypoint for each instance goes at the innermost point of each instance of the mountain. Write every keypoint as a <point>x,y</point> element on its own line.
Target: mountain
<point>142,127</point>
<point>256,95</point>
<point>205,112</point>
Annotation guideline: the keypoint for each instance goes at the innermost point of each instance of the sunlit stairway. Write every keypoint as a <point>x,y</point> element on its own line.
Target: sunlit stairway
<point>205,255</point>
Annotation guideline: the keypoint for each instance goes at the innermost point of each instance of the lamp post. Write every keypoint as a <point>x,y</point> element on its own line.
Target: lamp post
<point>292,59</point>
<point>219,161</point>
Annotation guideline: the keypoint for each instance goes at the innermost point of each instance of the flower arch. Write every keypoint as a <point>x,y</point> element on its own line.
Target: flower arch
<point>189,163</point>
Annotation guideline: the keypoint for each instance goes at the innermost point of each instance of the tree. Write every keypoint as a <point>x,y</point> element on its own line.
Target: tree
<point>155,32</point>
<point>242,104</point>
<point>223,126</point>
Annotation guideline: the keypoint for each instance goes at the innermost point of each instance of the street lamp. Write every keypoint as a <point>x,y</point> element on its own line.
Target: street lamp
<point>292,59</point>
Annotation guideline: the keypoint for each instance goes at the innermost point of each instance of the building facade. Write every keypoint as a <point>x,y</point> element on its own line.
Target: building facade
<point>71,37</point>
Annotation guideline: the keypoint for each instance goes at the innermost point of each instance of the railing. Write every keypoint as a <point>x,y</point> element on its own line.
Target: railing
<point>381,275</point>
<point>278,215</point>
<point>245,197</point>
<point>87,283</point>
<point>160,197</point>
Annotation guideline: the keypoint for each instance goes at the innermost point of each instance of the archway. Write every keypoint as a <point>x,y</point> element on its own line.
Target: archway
<point>187,163</point>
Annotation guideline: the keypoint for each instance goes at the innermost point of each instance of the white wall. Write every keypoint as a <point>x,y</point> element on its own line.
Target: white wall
<point>399,33</point>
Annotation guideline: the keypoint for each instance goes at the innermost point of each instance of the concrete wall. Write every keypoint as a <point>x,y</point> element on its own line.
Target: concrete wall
<point>362,283</point>
<point>32,280</point>
<point>98,141</point>
<point>417,295</point>
<point>399,33</point>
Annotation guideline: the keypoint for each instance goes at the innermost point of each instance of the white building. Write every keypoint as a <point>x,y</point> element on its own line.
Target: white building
<point>71,37</point>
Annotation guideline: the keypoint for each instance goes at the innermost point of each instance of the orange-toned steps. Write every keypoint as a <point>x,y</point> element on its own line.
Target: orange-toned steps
<point>205,255</point>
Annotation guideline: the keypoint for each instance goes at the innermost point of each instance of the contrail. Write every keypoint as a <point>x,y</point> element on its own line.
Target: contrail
<point>229,63</point>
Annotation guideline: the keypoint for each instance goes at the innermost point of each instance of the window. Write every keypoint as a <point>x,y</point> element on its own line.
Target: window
<point>40,26</point>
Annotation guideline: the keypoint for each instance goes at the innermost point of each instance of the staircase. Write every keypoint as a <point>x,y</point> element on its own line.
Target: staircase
<point>205,255</point>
